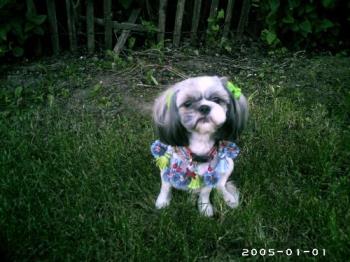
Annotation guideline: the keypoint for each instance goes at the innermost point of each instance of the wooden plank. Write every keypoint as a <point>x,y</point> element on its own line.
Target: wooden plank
<point>178,22</point>
<point>228,18</point>
<point>107,10</point>
<point>31,9</point>
<point>125,33</point>
<point>243,20</point>
<point>51,14</point>
<point>213,8</point>
<point>195,19</point>
<point>90,26</point>
<point>72,34</point>
<point>161,21</point>
<point>76,11</point>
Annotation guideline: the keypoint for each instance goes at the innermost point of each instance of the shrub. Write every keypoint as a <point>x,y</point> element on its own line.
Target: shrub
<point>303,24</point>
<point>18,23</point>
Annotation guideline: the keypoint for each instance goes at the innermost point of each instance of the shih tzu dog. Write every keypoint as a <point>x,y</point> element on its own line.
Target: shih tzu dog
<point>197,121</point>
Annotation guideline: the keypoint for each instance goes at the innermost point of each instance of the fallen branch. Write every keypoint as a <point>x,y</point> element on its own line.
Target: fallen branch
<point>125,34</point>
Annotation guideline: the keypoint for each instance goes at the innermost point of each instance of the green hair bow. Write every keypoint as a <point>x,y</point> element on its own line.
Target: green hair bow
<point>235,90</point>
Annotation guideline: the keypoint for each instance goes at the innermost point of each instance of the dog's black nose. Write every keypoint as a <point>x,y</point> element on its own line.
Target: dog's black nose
<point>204,109</point>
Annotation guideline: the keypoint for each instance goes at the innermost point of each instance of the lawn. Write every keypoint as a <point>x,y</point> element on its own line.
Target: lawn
<point>77,180</point>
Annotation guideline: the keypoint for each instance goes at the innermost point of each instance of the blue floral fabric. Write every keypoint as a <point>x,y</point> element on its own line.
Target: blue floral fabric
<point>178,173</point>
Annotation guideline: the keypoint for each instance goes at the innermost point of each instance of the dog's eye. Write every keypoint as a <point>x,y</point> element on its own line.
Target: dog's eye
<point>187,104</point>
<point>217,100</point>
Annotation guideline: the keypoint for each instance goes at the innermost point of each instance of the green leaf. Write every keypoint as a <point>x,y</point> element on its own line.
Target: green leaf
<point>328,3</point>
<point>3,33</point>
<point>17,29</point>
<point>271,19</point>
<point>37,19</point>
<point>293,3</point>
<point>131,42</point>
<point>325,24</point>
<point>305,27</point>
<point>51,100</point>
<point>125,3</point>
<point>28,26</point>
<point>17,51</point>
<point>309,8</point>
<point>269,36</point>
<point>154,80</point>
<point>18,91</point>
<point>3,50</point>
<point>215,28</point>
<point>210,20</point>
<point>221,14</point>
<point>288,20</point>
<point>274,4</point>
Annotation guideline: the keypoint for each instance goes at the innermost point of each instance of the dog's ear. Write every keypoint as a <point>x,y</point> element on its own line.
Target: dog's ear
<point>224,80</point>
<point>167,120</point>
<point>236,116</point>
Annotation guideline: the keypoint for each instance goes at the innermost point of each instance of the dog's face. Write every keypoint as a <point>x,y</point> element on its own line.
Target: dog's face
<point>200,105</point>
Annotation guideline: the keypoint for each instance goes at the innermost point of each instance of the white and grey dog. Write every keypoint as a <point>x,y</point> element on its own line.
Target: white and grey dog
<point>197,121</point>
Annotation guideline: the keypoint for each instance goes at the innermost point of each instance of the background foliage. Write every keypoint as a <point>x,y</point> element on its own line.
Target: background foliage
<point>19,23</point>
<point>294,24</point>
<point>304,24</point>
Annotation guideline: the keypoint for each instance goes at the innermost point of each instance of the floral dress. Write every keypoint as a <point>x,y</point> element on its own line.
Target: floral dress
<point>179,169</point>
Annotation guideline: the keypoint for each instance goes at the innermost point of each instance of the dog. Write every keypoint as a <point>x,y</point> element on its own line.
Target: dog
<point>197,121</point>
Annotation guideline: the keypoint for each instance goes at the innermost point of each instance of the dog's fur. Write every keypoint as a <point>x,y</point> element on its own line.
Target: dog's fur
<point>197,113</point>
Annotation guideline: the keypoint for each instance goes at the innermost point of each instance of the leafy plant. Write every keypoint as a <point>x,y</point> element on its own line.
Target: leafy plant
<point>151,30</point>
<point>299,24</point>
<point>213,30</point>
<point>18,23</point>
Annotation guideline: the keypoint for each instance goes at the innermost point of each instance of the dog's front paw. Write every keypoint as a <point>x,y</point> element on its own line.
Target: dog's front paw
<point>162,201</point>
<point>231,195</point>
<point>206,209</point>
<point>231,200</point>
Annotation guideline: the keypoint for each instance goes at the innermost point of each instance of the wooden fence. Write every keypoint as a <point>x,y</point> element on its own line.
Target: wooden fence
<point>112,28</point>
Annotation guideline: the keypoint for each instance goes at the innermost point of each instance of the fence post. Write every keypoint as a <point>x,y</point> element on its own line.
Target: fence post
<point>161,21</point>
<point>243,18</point>
<point>178,22</point>
<point>71,26</point>
<point>107,8</point>
<point>228,17</point>
<point>213,8</point>
<point>51,13</point>
<point>195,19</point>
<point>90,27</point>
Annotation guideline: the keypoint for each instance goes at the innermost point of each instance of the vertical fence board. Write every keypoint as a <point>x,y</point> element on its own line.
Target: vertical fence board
<point>161,21</point>
<point>178,22</point>
<point>107,9</point>
<point>90,27</point>
<point>31,9</point>
<point>71,26</point>
<point>228,18</point>
<point>243,18</point>
<point>76,13</point>
<point>213,8</point>
<point>51,14</point>
<point>195,19</point>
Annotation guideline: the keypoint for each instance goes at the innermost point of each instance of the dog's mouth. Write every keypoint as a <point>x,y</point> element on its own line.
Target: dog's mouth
<point>203,120</point>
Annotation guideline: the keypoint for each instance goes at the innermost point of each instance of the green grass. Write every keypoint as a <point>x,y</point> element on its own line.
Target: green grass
<point>78,182</point>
